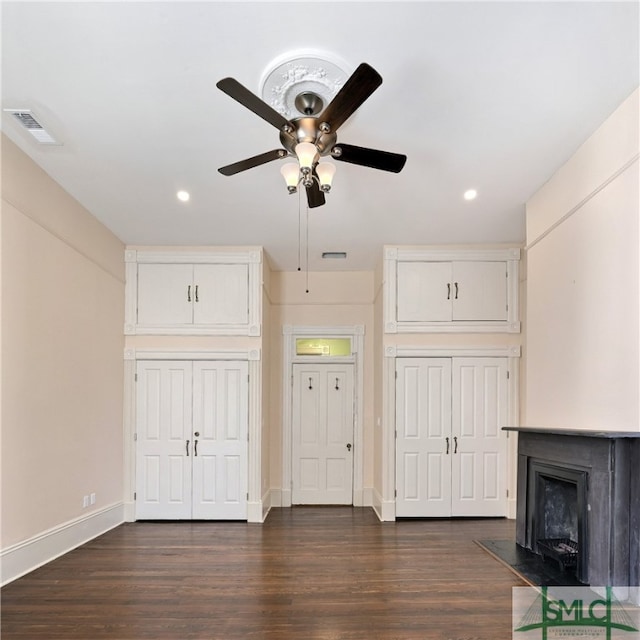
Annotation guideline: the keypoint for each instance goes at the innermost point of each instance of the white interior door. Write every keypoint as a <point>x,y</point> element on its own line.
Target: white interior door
<point>322,434</point>
<point>191,436</point>
<point>220,448</point>
<point>479,461</point>
<point>163,431</point>
<point>423,437</point>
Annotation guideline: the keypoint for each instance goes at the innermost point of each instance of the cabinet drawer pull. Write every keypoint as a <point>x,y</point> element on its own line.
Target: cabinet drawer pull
<point>195,448</point>
<point>448,291</point>
<point>455,284</point>
<point>455,444</point>
<point>187,448</point>
<point>189,293</point>
<point>197,292</point>
<point>447,439</point>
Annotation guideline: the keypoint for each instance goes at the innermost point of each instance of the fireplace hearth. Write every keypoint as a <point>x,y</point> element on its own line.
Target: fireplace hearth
<point>578,502</point>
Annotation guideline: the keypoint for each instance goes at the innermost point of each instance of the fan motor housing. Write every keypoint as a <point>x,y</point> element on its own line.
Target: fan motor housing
<point>308,130</point>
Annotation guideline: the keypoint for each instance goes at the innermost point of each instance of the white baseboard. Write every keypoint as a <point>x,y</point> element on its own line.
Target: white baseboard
<point>275,498</point>
<point>23,557</point>
<point>255,511</point>
<point>385,509</point>
<point>367,497</point>
<point>511,508</point>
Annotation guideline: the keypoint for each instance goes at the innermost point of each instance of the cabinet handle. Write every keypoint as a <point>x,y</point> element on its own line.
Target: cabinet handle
<point>455,284</point>
<point>187,448</point>
<point>189,293</point>
<point>455,444</point>
<point>195,448</point>
<point>448,291</point>
<point>198,300</point>
<point>447,439</point>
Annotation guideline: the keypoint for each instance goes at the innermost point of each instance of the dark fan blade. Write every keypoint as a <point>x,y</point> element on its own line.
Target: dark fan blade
<point>373,158</point>
<point>362,83</point>
<point>249,163</point>
<point>315,197</point>
<point>236,91</point>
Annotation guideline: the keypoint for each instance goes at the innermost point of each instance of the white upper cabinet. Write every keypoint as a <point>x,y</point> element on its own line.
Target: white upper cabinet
<point>434,290</point>
<point>213,293</point>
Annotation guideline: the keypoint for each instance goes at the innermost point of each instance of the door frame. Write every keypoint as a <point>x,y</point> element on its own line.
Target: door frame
<point>290,334</point>
<point>256,510</point>
<point>384,497</point>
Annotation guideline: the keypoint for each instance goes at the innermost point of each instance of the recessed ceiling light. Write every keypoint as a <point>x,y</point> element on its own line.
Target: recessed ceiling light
<point>470,194</point>
<point>183,196</point>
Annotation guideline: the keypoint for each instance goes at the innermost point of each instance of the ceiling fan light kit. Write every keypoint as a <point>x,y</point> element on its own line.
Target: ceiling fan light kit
<point>310,136</point>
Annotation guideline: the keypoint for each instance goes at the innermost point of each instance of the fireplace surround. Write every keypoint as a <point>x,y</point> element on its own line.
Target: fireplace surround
<point>602,471</point>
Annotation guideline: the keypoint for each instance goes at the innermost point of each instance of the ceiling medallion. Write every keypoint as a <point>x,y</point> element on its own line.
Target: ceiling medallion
<point>302,83</point>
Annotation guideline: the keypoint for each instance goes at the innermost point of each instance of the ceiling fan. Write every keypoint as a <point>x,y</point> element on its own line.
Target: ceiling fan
<point>314,135</point>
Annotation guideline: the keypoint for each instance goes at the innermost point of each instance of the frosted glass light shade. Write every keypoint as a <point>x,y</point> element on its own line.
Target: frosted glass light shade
<point>306,153</point>
<point>290,172</point>
<point>325,171</point>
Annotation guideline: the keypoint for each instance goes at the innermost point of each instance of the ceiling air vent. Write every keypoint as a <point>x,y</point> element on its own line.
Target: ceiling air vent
<point>28,121</point>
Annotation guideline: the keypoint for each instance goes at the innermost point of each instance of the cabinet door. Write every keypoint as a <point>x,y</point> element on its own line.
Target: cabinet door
<point>479,445</point>
<point>424,291</point>
<point>423,437</point>
<point>163,435</point>
<point>221,294</point>
<point>479,291</point>
<point>165,294</point>
<point>220,427</point>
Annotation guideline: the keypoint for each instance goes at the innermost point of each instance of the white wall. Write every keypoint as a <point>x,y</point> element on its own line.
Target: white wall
<point>582,347</point>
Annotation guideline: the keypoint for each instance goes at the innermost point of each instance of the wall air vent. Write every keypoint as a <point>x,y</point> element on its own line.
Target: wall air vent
<point>28,121</point>
<point>334,255</point>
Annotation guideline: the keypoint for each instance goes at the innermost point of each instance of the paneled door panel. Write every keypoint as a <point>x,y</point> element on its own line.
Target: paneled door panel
<point>423,446</point>
<point>322,443</point>
<point>163,427</point>
<point>480,411</point>
<point>424,291</point>
<point>220,420</point>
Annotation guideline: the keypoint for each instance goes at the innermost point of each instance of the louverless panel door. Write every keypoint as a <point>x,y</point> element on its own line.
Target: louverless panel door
<point>163,436</point>
<point>322,434</point>
<point>450,449</point>
<point>423,437</point>
<point>191,440</point>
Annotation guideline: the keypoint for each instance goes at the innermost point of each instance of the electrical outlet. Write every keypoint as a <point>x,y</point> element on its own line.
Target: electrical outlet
<point>85,502</point>
<point>92,498</point>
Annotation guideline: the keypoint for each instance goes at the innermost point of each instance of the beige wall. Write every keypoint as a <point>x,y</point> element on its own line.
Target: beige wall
<point>334,299</point>
<point>62,375</point>
<point>582,355</point>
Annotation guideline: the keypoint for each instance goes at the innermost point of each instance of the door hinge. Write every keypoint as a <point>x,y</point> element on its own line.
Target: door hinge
<point>507,493</point>
<point>135,437</point>
<point>135,496</point>
<point>292,380</point>
<point>395,493</point>
<point>508,374</point>
<point>135,377</point>
<point>247,495</point>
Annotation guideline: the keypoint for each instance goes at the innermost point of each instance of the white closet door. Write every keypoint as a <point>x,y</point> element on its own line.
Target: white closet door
<point>165,294</point>
<point>479,457</point>
<point>220,448</point>
<point>479,291</point>
<point>424,291</point>
<point>221,294</point>
<point>163,430</point>
<point>423,437</point>
<point>322,430</point>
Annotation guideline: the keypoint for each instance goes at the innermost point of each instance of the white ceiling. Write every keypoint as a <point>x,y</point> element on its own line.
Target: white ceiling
<point>494,96</point>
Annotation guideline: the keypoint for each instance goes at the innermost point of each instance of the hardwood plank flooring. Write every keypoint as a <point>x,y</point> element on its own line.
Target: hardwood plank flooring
<point>308,573</point>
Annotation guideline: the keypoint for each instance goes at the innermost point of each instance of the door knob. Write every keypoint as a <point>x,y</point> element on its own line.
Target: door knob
<point>349,446</point>
<point>197,434</point>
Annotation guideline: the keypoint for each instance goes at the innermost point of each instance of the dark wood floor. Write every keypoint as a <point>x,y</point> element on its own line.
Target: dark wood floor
<point>308,573</point>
